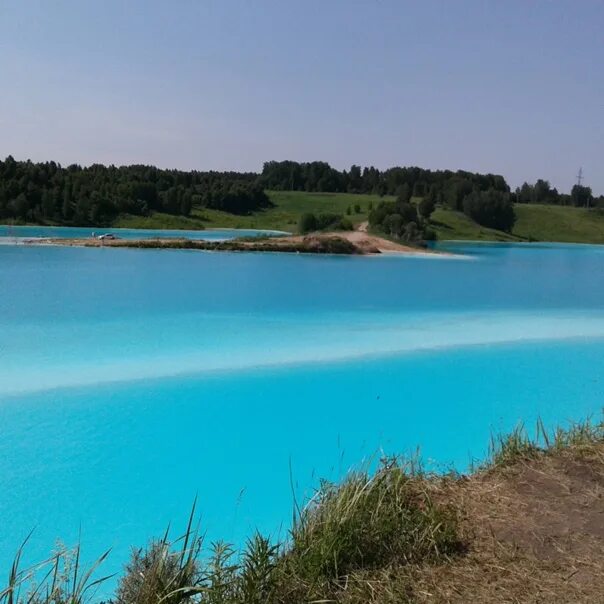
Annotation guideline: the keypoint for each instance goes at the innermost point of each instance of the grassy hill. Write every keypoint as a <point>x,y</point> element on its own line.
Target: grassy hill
<point>534,222</point>
<point>559,223</point>
<point>284,216</point>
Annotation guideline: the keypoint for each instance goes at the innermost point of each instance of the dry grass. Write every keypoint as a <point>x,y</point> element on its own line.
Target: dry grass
<point>534,530</point>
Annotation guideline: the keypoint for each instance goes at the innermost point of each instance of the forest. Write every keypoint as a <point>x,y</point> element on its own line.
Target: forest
<point>485,198</point>
<point>96,195</point>
<point>48,193</point>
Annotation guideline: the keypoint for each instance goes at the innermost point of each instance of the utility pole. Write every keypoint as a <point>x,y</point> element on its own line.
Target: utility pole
<point>579,184</point>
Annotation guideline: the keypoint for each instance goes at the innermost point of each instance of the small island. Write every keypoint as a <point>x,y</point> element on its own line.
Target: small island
<point>357,242</point>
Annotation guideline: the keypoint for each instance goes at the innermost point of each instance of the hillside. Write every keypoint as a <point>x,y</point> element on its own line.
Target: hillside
<point>534,222</point>
<point>287,208</point>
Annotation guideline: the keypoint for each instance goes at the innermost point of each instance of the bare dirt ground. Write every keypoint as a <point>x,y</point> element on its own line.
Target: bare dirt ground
<point>362,243</point>
<point>367,244</point>
<point>535,533</point>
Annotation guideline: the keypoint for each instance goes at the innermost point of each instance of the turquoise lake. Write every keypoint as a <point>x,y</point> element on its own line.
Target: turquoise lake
<point>13,234</point>
<point>133,380</point>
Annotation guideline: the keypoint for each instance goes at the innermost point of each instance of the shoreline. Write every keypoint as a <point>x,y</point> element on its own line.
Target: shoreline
<point>342,243</point>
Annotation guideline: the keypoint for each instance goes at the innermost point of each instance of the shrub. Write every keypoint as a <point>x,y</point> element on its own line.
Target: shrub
<point>328,221</point>
<point>324,222</point>
<point>307,223</point>
<point>429,234</point>
<point>345,225</point>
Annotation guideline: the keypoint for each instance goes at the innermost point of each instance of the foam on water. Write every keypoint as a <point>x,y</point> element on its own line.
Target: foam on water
<point>203,343</point>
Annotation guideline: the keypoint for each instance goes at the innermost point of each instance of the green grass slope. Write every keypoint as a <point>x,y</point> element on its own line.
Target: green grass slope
<point>450,224</point>
<point>559,223</point>
<point>159,220</point>
<point>284,216</point>
<point>534,222</point>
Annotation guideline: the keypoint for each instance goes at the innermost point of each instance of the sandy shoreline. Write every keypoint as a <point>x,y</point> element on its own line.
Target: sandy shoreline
<point>346,242</point>
<point>368,244</point>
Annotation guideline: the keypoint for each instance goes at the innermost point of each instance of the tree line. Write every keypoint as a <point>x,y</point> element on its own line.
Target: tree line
<point>543,192</point>
<point>321,177</point>
<point>485,198</point>
<point>96,195</point>
<point>449,187</point>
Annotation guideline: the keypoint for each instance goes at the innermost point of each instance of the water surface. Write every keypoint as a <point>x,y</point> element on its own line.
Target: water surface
<point>132,380</point>
<point>16,233</point>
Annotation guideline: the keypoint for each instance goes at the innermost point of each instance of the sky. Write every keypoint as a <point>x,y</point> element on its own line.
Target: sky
<point>512,87</point>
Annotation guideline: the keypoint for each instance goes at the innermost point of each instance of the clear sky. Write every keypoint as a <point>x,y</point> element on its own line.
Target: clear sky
<point>514,87</point>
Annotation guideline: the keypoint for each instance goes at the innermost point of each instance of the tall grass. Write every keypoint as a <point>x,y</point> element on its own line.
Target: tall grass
<point>366,522</point>
<point>163,572</point>
<point>519,444</point>
<point>58,580</point>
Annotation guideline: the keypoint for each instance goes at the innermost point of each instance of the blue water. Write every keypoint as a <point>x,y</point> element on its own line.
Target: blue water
<point>42,232</point>
<point>132,380</point>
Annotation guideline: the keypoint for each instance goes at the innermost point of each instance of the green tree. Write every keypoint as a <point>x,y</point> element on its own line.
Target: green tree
<point>425,207</point>
<point>491,209</point>
<point>393,224</point>
<point>581,196</point>
<point>403,194</point>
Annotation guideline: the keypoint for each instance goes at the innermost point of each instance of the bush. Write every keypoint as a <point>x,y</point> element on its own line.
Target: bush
<point>307,223</point>
<point>429,234</point>
<point>345,225</point>
<point>324,222</point>
<point>328,221</point>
